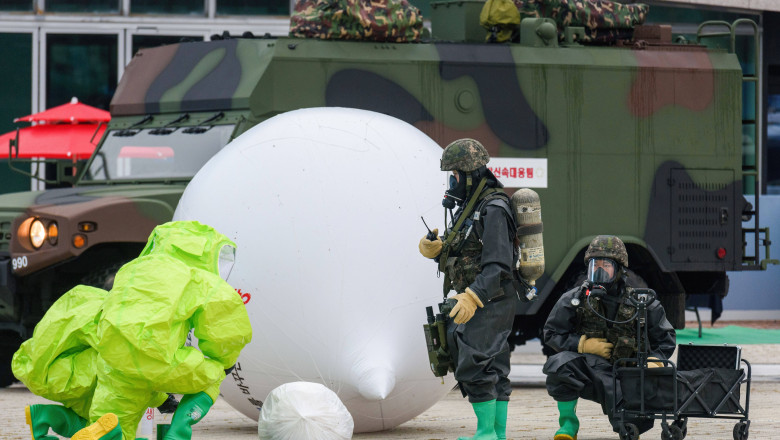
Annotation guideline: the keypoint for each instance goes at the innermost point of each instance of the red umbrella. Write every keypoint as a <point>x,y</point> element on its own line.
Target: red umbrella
<point>62,132</point>
<point>74,112</point>
<point>53,141</point>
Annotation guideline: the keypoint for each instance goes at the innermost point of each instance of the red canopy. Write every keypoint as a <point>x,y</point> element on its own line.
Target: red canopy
<point>73,112</point>
<point>53,141</point>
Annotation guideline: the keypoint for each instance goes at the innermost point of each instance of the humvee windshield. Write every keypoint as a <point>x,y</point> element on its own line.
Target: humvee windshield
<point>156,153</point>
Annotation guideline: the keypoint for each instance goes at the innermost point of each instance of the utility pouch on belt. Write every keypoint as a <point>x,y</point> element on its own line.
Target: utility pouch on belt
<point>625,347</point>
<point>436,339</point>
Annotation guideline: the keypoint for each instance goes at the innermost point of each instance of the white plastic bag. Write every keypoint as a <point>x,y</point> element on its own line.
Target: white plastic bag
<point>304,410</point>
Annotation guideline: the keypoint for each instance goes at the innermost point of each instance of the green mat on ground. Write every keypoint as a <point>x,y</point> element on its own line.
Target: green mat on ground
<point>731,334</point>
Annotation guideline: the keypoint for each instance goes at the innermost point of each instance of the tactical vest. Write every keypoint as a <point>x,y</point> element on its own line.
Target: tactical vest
<point>464,258</point>
<point>623,336</point>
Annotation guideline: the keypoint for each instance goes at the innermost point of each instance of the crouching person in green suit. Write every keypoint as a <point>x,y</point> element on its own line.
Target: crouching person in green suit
<point>176,285</point>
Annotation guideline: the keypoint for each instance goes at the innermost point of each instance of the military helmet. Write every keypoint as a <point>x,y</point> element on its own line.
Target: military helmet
<point>464,155</point>
<point>607,246</point>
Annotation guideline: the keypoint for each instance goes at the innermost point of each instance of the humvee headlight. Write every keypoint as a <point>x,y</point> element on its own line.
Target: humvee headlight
<point>53,231</point>
<point>37,233</point>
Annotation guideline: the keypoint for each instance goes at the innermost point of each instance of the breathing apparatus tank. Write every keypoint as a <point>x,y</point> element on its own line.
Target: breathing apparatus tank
<point>528,214</point>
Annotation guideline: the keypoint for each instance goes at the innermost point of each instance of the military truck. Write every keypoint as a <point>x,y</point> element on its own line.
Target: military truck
<point>641,138</point>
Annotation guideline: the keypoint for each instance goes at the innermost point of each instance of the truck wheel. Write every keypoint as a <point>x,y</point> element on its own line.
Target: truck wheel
<point>674,306</point>
<point>6,375</point>
<point>103,276</point>
<point>8,347</point>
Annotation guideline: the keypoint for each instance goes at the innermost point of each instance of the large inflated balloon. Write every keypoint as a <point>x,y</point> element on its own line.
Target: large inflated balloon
<point>325,206</point>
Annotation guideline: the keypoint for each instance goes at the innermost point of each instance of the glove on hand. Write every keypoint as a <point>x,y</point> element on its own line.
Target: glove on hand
<point>430,248</point>
<point>468,302</point>
<point>654,364</point>
<point>597,346</point>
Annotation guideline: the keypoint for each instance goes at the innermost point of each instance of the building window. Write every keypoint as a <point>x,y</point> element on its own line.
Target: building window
<point>146,41</point>
<point>773,131</point>
<point>16,5</point>
<point>184,7</point>
<point>253,7</point>
<point>16,80</point>
<point>83,6</point>
<point>84,66</point>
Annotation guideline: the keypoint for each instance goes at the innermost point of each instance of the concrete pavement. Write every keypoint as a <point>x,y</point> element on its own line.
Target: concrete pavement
<point>532,413</point>
<point>532,416</point>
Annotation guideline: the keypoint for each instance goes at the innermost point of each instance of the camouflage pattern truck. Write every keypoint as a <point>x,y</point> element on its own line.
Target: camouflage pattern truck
<point>640,138</point>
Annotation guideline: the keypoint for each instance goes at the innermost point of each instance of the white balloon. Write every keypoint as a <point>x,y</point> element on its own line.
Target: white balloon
<point>324,205</point>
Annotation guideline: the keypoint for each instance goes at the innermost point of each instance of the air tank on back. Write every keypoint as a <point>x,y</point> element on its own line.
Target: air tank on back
<point>324,205</point>
<point>528,213</point>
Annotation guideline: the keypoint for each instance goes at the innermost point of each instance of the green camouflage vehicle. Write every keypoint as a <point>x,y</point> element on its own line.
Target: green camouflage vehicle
<point>640,138</point>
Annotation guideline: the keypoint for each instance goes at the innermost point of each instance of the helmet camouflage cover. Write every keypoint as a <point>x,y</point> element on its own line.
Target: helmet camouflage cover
<point>607,246</point>
<point>464,155</point>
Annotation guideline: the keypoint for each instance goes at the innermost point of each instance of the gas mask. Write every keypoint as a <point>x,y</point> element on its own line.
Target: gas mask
<point>602,271</point>
<point>227,258</point>
<point>456,193</point>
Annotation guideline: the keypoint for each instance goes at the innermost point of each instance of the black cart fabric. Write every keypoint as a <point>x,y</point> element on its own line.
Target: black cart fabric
<point>699,392</point>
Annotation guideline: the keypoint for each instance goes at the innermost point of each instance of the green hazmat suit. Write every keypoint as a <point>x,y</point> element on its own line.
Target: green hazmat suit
<point>172,287</point>
<point>120,352</point>
<point>59,362</point>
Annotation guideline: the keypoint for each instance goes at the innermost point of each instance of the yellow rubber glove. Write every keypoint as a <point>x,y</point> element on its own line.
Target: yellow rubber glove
<point>431,248</point>
<point>654,364</point>
<point>468,302</point>
<point>597,346</point>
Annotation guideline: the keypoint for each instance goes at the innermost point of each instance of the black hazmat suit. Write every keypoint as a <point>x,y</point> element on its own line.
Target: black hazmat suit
<point>479,347</point>
<point>571,375</point>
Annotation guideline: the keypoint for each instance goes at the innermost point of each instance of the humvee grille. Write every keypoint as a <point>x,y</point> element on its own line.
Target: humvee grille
<point>5,236</point>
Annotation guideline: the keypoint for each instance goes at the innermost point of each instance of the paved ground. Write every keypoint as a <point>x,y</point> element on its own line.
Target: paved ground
<point>532,413</point>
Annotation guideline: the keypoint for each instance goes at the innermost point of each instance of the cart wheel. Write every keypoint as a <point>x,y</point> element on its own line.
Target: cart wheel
<point>630,432</point>
<point>672,432</point>
<point>741,431</point>
<point>683,425</point>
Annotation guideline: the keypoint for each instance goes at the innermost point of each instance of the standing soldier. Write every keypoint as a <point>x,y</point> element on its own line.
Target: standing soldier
<point>476,255</point>
<point>588,345</point>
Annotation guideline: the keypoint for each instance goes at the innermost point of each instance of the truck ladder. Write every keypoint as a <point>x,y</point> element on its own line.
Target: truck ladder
<point>750,262</point>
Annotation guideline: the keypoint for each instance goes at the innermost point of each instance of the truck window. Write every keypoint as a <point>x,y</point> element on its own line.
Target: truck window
<point>146,154</point>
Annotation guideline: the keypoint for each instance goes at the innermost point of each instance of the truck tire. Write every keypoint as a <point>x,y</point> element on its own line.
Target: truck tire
<point>6,375</point>
<point>10,343</point>
<point>674,306</point>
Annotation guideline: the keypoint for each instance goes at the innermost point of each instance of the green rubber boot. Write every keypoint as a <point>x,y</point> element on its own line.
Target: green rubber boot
<point>60,419</point>
<point>501,410</point>
<point>486,421</point>
<point>192,408</point>
<point>568,421</point>
<point>105,428</point>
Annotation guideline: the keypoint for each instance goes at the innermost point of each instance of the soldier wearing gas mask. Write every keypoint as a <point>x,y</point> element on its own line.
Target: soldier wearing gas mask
<point>588,344</point>
<point>476,255</point>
